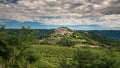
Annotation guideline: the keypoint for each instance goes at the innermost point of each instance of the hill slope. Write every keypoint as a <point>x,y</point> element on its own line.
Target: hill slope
<point>114,34</point>
<point>66,37</point>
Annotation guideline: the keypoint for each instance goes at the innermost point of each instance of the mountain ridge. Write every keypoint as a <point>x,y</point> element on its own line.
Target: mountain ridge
<point>77,38</point>
<point>66,37</point>
<point>47,36</point>
<point>114,34</point>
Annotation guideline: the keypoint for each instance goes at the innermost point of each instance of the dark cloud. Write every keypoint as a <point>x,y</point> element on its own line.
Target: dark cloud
<point>27,9</point>
<point>111,10</point>
<point>8,1</point>
<point>74,5</point>
<point>117,1</point>
<point>84,7</point>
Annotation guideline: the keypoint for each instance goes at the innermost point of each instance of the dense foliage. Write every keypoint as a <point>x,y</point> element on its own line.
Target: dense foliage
<point>21,50</point>
<point>13,47</point>
<point>103,40</point>
<point>96,58</point>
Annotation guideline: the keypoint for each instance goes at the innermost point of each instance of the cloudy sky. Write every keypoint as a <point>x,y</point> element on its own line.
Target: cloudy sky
<point>75,14</point>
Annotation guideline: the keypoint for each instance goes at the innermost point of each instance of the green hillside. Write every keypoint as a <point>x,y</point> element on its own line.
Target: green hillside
<point>69,57</point>
<point>66,37</point>
<point>63,48</point>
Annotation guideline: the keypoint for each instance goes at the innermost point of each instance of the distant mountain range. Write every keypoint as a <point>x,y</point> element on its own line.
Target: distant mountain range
<point>115,34</point>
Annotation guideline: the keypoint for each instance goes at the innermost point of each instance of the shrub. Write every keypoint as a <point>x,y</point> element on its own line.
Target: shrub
<point>66,42</point>
<point>95,58</point>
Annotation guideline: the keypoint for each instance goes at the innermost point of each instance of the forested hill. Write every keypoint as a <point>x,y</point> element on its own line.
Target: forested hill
<point>115,34</point>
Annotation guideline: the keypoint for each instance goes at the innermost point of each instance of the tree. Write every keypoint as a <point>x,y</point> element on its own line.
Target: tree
<point>95,58</point>
<point>66,42</point>
<point>13,47</point>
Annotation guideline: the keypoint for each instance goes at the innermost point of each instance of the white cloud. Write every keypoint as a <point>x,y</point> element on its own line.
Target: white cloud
<point>108,21</point>
<point>111,21</point>
<point>72,12</point>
